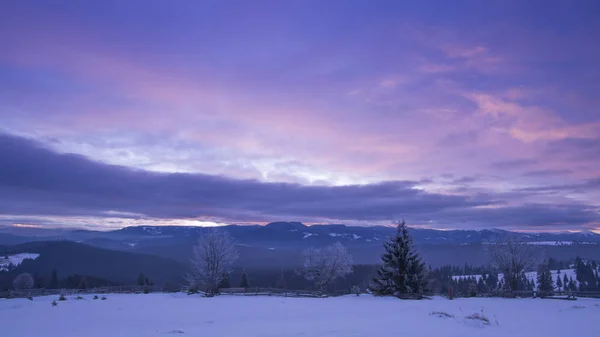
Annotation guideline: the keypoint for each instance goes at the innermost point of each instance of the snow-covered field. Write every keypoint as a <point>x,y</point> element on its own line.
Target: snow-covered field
<point>16,259</point>
<point>180,314</point>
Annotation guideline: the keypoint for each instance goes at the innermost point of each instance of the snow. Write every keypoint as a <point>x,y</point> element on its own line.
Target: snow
<point>179,314</point>
<point>307,235</point>
<point>551,243</point>
<point>530,275</point>
<point>353,236</point>
<point>16,259</point>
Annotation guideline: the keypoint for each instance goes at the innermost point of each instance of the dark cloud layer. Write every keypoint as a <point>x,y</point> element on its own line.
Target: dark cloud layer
<point>37,181</point>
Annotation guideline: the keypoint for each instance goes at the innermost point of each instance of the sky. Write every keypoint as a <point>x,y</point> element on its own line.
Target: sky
<point>448,114</point>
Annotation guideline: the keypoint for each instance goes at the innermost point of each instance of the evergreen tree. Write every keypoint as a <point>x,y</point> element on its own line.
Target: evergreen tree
<point>402,271</point>
<point>565,281</point>
<point>141,280</point>
<point>544,280</point>
<point>54,284</point>
<point>225,281</point>
<point>244,281</point>
<point>83,283</point>
<point>580,270</point>
<point>559,283</point>
<point>281,284</point>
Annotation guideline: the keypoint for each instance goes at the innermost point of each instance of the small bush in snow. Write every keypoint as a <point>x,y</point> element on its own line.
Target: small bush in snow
<point>355,290</point>
<point>30,298</point>
<point>79,298</point>
<point>95,297</point>
<point>62,298</point>
<point>54,303</point>
<point>441,314</point>
<point>480,317</point>
<point>103,298</point>
<point>146,291</point>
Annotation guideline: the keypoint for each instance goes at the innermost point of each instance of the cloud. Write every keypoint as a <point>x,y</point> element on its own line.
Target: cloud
<point>514,163</point>
<point>546,173</point>
<point>36,181</point>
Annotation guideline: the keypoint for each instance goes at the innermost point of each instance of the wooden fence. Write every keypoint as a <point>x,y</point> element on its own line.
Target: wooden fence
<point>261,292</point>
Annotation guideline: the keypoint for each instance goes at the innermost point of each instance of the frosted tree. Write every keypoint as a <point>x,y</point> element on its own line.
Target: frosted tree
<point>322,266</point>
<point>545,284</point>
<point>212,258</point>
<point>402,271</point>
<point>513,258</point>
<point>23,281</point>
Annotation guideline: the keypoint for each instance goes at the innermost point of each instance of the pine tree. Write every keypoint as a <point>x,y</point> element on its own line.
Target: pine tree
<point>559,283</point>
<point>83,283</point>
<point>544,280</point>
<point>141,280</point>
<point>281,284</point>
<point>225,282</point>
<point>565,281</point>
<point>53,281</point>
<point>580,269</point>
<point>402,271</point>
<point>244,281</point>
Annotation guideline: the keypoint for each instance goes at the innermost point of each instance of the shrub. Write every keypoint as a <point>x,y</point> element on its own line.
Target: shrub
<point>146,291</point>
<point>355,290</point>
<point>54,303</point>
<point>95,297</point>
<point>479,316</point>
<point>103,298</point>
<point>441,314</point>
<point>62,298</point>
<point>30,298</point>
<point>79,298</point>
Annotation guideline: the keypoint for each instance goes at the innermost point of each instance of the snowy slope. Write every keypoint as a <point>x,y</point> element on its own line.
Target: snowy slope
<point>16,259</point>
<point>179,314</point>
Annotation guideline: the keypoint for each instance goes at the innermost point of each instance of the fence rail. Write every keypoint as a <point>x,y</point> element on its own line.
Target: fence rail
<point>263,292</point>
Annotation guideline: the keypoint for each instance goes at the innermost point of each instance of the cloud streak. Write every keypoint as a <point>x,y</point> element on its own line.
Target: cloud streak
<point>72,185</point>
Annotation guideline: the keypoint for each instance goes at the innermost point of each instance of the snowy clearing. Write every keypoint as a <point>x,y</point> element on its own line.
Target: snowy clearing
<point>16,259</point>
<point>168,314</point>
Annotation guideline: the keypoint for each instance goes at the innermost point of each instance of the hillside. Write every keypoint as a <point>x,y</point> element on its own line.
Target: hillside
<point>69,258</point>
<point>280,244</point>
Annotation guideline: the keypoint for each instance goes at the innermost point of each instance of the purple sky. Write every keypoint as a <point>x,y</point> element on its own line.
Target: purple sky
<point>450,114</point>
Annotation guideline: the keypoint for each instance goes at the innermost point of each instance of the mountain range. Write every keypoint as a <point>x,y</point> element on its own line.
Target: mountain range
<point>281,243</point>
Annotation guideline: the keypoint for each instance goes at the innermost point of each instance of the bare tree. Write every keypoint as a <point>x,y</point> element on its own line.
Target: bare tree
<point>323,265</point>
<point>23,281</point>
<point>513,257</point>
<point>212,257</point>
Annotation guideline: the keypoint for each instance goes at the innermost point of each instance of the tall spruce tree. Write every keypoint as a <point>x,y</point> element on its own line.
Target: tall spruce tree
<point>544,280</point>
<point>281,283</point>
<point>54,284</point>
<point>559,283</point>
<point>402,270</point>
<point>244,280</point>
<point>225,282</point>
